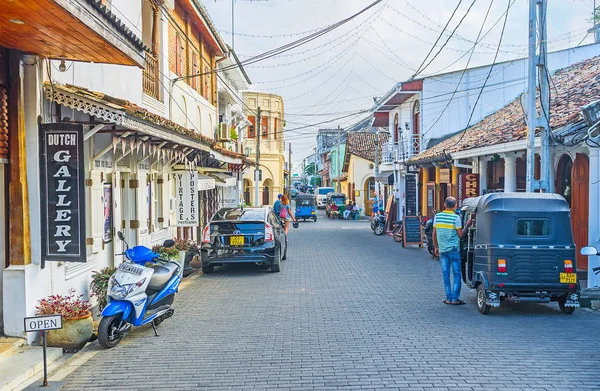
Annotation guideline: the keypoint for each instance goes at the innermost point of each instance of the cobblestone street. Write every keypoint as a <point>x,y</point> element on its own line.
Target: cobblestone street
<point>349,310</point>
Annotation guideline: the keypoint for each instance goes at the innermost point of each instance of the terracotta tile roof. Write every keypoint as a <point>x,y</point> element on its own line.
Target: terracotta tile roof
<point>362,144</point>
<point>570,88</point>
<point>143,114</point>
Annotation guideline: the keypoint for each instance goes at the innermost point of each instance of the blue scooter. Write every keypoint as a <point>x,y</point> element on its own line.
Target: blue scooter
<point>137,294</point>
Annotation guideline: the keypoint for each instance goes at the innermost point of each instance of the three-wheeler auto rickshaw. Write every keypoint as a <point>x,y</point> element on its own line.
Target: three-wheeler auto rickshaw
<point>306,207</point>
<point>520,247</point>
<point>337,199</point>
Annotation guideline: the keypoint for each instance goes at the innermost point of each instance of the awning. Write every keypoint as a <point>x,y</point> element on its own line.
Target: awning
<point>223,180</point>
<point>205,182</point>
<point>386,177</point>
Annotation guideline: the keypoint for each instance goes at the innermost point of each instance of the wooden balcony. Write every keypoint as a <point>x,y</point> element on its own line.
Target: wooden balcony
<point>151,79</point>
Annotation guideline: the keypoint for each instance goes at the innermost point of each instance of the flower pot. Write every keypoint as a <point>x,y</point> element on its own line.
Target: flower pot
<point>74,334</point>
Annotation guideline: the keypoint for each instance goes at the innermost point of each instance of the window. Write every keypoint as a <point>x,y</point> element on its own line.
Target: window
<point>252,102</point>
<point>178,55</point>
<point>207,80</point>
<point>194,71</point>
<point>251,127</point>
<point>275,127</point>
<point>159,201</point>
<point>534,227</point>
<point>265,103</point>
<point>264,127</point>
<point>277,105</point>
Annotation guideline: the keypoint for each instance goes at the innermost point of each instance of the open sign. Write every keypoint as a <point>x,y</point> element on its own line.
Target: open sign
<point>39,323</point>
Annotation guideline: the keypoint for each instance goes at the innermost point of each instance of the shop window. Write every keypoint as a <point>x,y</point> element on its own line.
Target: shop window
<point>178,55</point>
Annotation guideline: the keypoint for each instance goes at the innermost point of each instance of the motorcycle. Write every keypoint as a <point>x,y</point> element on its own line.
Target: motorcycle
<point>428,230</point>
<point>378,224</point>
<point>139,294</point>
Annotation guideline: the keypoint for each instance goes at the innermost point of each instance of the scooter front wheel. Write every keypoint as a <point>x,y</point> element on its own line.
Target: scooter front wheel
<point>108,334</point>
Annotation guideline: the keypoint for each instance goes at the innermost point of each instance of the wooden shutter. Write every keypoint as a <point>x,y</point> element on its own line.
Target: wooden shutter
<point>275,128</point>
<point>178,55</point>
<point>252,127</point>
<point>3,123</point>
<point>264,128</point>
<point>195,71</point>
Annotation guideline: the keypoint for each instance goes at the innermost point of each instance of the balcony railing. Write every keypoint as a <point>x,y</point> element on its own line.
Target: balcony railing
<point>388,154</point>
<point>151,81</point>
<point>406,149</point>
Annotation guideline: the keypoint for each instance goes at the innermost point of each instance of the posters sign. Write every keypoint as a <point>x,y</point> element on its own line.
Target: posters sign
<point>62,192</point>
<point>468,187</point>
<point>186,184</point>
<point>410,201</point>
<point>444,175</point>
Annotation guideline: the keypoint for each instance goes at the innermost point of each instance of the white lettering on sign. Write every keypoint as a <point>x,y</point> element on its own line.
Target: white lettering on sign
<point>39,323</point>
<point>186,183</point>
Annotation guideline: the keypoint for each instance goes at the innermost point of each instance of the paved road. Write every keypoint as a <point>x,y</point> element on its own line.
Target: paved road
<point>349,310</point>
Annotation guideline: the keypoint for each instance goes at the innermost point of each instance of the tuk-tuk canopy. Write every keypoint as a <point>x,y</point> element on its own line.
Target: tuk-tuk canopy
<point>521,218</point>
<point>305,200</point>
<point>337,198</point>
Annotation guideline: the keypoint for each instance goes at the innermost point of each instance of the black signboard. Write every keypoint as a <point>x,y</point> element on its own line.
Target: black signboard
<point>410,202</point>
<point>412,230</point>
<point>62,192</point>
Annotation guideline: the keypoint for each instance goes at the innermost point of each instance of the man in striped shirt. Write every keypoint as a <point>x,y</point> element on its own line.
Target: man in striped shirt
<point>447,231</point>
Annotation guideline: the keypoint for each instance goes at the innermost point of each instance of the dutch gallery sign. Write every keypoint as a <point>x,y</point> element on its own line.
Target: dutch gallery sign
<point>186,184</point>
<point>62,192</point>
<point>468,187</point>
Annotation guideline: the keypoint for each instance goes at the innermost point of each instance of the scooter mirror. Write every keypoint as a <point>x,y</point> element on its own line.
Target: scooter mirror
<point>169,243</point>
<point>120,235</point>
<point>588,251</point>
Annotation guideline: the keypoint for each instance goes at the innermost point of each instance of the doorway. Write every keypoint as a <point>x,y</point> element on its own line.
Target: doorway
<point>580,174</point>
<point>369,195</point>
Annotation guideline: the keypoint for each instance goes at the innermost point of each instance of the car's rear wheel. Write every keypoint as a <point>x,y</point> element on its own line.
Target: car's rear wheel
<point>564,308</point>
<point>483,308</point>
<point>208,269</point>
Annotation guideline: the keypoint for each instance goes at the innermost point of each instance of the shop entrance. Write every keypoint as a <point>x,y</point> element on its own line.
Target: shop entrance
<point>369,191</point>
<point>579,205</point>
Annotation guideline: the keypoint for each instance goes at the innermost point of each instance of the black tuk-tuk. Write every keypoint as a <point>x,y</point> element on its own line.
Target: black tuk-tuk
<point>520,247</point>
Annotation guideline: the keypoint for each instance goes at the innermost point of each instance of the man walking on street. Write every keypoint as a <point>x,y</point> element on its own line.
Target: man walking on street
<point>447,231</point>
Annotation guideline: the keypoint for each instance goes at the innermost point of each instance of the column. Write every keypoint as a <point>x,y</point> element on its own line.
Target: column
<point>483,172</point>
<point>455,172</point>
<point>424,180</point>
<point>438,192</point>
<point>510,173</point>
<point>594,209</point>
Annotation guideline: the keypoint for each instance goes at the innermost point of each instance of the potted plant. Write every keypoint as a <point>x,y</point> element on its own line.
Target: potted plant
<point>187,250</point>
<point>99,285</point>
<point>77,320</point>
<point>166,252</point>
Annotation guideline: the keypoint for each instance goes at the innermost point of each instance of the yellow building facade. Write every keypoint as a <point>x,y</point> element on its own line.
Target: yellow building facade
<point>272,146</point>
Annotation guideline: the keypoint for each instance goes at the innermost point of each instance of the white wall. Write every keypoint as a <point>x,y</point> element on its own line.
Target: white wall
<point>507,81</point>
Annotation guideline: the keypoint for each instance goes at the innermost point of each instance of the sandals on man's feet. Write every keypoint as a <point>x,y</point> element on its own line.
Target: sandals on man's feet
<point>447,301</point>
<point>459,302</point>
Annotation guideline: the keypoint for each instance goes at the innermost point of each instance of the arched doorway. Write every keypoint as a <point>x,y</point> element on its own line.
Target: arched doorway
<point>369,192</point>
<point>266,194</point>
<point>564,186</point>
<point>247,191</point>
<point>580,180</point>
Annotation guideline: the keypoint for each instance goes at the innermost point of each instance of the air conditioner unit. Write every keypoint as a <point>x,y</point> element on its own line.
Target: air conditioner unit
<point>224,131</point>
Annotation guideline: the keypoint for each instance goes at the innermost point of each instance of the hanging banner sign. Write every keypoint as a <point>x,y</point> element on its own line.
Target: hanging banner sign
<point>444,175</point>
<point>468,187</point>
<point>186,184</point>
<point>62,192</point>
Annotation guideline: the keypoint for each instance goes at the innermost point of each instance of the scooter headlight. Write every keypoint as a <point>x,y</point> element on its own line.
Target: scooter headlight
<point>119,292</point>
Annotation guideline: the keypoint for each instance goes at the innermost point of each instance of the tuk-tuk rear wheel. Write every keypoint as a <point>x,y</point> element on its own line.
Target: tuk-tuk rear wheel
<point>565,309</point>
<point>483,308</point>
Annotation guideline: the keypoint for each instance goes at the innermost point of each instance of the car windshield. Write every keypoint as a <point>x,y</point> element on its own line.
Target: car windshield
<point>252,214</point>
<point>305,202</point>
<point>325,190</point>
<point>338,200</point>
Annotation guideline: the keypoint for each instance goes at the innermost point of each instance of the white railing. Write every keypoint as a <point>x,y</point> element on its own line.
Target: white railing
<point>388,153</point>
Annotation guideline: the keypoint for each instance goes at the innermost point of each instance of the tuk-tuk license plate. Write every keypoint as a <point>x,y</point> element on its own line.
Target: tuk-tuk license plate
<point>568,278</point>
<point>236,241</point>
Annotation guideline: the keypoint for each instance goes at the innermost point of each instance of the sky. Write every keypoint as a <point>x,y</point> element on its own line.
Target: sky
<point>338,74</point>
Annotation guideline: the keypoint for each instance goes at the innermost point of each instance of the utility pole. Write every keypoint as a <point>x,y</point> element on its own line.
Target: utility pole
<point>290,169</point>
<point>257,129</point>
<point>339,185</point>
<point>537,66</point>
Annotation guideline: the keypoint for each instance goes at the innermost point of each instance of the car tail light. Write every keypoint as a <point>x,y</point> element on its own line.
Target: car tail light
<point>568,266</point>
<point>206,234</point>
<point>502,265</point>
<point>268,233</point>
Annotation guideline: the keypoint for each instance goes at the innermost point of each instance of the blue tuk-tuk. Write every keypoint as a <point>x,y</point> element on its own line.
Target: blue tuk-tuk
<point>520,247</point>
<point>306,207</point>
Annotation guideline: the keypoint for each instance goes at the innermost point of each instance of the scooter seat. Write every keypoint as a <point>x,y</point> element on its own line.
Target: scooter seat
<point>161,276</point>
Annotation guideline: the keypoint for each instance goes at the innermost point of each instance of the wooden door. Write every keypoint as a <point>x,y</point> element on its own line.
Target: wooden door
<point>369,194</point>
<point>579,209</point>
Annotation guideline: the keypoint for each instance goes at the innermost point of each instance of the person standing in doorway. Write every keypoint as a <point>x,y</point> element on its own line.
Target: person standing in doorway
<point>285,213</point>
<point>447,231</point>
